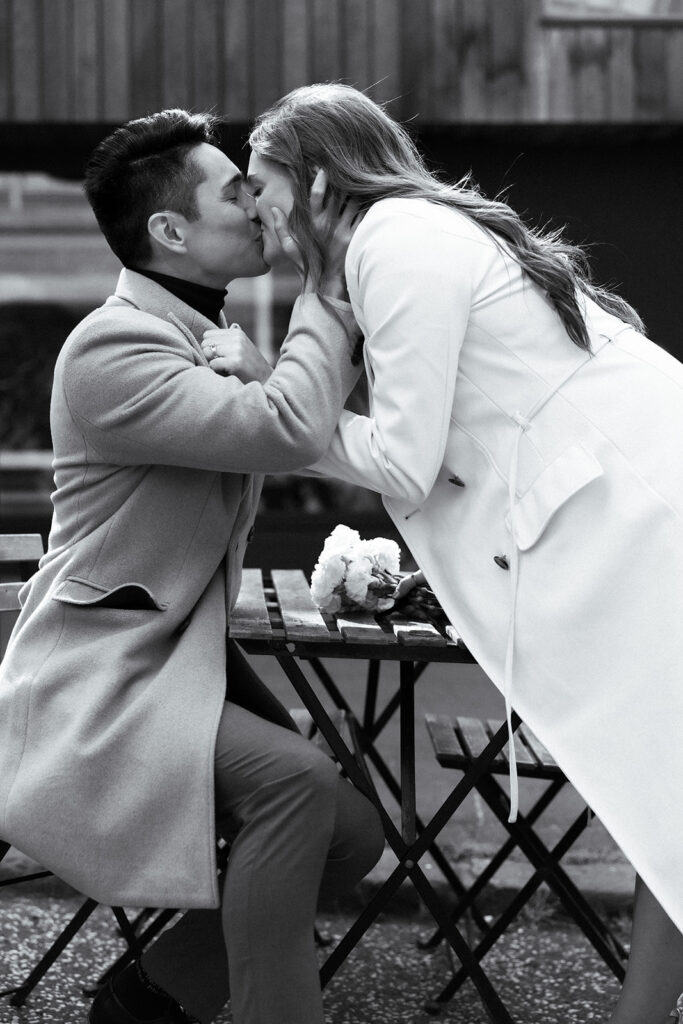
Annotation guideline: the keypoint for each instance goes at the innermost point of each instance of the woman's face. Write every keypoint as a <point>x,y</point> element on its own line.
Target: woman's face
<point>271,185</point>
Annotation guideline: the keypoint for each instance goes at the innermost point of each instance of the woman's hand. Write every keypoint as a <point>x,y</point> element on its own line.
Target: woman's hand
<point>334,223</point>
<point>231,353</point>
<point>408,583</point>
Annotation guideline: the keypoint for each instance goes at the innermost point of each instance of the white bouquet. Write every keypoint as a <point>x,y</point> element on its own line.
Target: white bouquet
<point>353,574</point>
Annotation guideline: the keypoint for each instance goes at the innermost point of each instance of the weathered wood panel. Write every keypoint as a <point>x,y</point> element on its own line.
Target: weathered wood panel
<point>26,60</point>
<point>237,58</point>
<point>86,72</point>
<point>177,53</point>
<point>57,52</point>
<point>296,51</point>
<point>442,61</point>
<point>117,99</point>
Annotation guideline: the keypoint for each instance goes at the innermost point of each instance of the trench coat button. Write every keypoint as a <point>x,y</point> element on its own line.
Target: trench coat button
<point>502,561</point>
<point>456,480</point>
<point>251,533</point>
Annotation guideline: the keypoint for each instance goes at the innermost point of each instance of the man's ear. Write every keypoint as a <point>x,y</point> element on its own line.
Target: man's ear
<point>168,229</point>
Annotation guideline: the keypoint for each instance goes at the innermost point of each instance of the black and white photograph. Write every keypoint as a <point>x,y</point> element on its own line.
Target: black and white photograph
<point>341,511</point>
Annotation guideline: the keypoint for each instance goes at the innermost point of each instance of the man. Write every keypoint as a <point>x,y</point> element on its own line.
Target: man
<point>118,747</point>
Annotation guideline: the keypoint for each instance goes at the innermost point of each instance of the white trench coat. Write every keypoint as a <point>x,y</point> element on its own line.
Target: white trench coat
<point>491,435</point>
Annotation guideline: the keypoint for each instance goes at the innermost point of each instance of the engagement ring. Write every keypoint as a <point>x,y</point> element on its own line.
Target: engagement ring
<point>214,351</point>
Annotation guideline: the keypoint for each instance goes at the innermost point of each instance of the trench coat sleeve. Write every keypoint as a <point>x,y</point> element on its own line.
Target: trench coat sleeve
<point>413,285</point>
<point>138,396</point>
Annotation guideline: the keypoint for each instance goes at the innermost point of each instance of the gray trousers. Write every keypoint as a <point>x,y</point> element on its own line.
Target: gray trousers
<point>294,826</point>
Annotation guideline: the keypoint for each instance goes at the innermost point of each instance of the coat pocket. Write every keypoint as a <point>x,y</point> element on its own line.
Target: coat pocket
<point>130,596</point>
<point>567,474</point>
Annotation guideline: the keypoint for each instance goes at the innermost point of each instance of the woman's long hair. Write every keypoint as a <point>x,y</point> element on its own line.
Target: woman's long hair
<point>368,156</point>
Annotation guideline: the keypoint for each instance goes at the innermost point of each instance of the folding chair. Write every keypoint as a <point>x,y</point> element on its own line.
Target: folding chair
<point>19,554</point>
<point>457,743</point>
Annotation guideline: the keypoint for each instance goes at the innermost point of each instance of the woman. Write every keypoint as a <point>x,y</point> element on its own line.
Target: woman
<point>521,430</point>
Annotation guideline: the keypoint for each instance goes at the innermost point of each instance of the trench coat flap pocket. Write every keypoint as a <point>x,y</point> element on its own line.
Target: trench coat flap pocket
<point>568,473</point>
<point>74,590</point>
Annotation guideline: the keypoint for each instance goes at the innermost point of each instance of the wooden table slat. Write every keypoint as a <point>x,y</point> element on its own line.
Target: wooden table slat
<point>361,626</point>
<point>301,619</point>
<point>422,633</point>
<point>249,618</point>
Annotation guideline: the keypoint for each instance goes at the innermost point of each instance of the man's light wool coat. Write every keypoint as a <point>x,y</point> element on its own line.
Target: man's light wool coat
<point>115,676</point>
<point>469,363</point>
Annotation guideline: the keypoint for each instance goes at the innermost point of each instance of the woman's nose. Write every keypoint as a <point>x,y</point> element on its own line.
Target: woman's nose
<point>249,204</point>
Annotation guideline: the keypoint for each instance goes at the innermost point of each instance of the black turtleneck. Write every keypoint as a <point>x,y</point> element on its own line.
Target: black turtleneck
<point>207,301</point>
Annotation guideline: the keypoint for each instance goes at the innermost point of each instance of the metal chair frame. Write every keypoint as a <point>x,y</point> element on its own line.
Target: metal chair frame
<point>457,744</point>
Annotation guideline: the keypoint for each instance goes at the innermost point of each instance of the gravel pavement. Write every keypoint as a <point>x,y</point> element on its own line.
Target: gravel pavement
<point>543,967</point>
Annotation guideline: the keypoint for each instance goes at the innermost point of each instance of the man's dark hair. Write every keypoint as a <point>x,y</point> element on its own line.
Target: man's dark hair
<point>141,168</point>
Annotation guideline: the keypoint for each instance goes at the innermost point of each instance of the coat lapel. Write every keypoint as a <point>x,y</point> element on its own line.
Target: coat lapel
<point>150,297</point>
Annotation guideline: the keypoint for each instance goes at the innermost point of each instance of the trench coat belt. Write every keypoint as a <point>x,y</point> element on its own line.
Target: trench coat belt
<point>523,421</point>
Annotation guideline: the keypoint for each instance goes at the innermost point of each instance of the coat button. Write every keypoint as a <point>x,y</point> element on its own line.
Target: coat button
<point>502,561</point>
<point>456,480</point>
<point>251,533</point>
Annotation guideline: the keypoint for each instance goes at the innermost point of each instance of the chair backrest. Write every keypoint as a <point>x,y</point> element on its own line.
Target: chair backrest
<point>19,553</point>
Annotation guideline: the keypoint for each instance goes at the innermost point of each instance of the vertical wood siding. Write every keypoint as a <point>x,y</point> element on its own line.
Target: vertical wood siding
<point>443,61</point>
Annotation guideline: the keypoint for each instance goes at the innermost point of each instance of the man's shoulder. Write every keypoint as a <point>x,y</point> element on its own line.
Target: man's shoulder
<point>118,317</point>
<point>118,322</point>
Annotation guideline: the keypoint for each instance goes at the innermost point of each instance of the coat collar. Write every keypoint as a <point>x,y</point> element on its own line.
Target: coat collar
<point>150,297</point>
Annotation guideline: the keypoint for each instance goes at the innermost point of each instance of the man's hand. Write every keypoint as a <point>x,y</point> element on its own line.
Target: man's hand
<point>231,353</point>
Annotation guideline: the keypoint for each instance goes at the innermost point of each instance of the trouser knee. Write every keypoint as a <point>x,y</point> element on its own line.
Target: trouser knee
<point>370,838</point>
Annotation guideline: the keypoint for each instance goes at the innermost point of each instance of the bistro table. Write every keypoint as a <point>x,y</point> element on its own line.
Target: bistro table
<point>275,615</point>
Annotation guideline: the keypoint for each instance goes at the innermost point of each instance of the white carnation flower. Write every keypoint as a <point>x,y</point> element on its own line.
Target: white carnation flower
<point>326,577</point>
<point>341,539</point>
<point>386,553</point>
<point>358,578</point>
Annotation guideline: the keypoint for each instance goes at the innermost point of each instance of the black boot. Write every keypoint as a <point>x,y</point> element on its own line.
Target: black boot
<point>131,998</point>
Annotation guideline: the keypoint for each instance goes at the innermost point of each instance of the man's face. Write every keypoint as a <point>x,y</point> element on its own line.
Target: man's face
<point>271,185</point>
<point>225,241</point>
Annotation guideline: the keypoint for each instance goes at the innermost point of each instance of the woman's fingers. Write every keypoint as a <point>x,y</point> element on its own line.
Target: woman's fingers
<point>318,194</point>
<point>288,244</point>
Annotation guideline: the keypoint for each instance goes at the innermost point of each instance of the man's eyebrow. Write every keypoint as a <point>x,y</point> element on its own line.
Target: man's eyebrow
<point>236,178</point>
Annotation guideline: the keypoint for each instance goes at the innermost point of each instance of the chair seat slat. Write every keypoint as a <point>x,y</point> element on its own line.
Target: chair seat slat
<point>249,618</point>
<point>301,618</point>
<point>475,738</point>
<point>447,746</point>
<point>524,755</point>
<point>542,753</point>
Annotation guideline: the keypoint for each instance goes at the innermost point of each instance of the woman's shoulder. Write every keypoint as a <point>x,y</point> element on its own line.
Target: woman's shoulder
<point>399,217</point>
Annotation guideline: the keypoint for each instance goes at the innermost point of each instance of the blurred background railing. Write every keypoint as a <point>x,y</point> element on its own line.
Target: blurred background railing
<point>573,108</point>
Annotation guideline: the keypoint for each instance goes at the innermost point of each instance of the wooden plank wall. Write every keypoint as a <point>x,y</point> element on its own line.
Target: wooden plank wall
<point>443,61</point>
